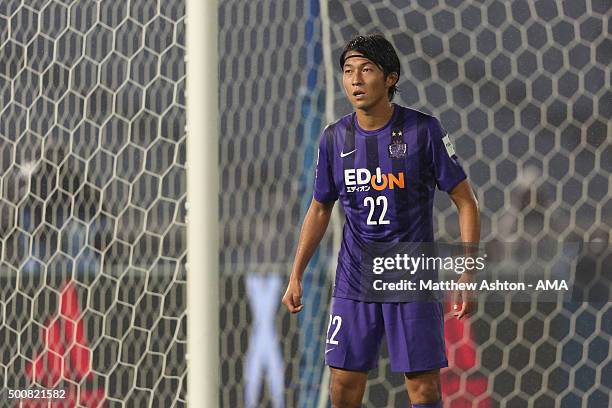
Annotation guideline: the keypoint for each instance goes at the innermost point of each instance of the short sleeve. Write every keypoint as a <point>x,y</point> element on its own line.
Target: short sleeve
<point>324,186</point>
<point>447,169</point>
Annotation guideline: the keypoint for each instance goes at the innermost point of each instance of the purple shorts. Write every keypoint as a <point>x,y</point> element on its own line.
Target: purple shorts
<point>414,331</point>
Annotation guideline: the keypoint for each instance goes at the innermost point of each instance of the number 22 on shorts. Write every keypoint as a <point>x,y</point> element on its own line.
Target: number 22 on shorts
<point>335,321</point>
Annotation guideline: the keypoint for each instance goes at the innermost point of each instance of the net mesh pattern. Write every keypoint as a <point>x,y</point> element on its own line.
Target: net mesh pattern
<point>271,100</point>
<point>523,90</point>
<point>92,181</point>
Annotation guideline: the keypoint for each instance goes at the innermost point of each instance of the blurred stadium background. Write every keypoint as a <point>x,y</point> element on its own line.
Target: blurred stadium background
<point>92,181</point>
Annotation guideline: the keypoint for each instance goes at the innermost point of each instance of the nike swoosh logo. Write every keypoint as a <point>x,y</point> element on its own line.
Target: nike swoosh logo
<point>346,154</point>
<point>327,351</point>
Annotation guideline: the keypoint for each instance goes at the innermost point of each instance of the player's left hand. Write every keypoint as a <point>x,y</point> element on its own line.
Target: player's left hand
<point>464,301</point>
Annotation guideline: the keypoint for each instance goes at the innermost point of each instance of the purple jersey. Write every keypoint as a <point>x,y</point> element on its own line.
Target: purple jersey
<point>385,180</point>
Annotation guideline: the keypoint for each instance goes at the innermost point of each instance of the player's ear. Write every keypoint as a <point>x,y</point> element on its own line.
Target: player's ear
<point>392,79</point>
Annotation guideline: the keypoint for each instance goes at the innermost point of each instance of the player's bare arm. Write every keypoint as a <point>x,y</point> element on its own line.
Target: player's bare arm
<point>469,224</point>
<point>313,229</point>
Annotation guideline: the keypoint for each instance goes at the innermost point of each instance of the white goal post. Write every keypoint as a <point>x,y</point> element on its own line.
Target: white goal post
<point>202,190</point>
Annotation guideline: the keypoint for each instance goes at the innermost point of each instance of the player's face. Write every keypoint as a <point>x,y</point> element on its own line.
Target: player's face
<point>364,82</point>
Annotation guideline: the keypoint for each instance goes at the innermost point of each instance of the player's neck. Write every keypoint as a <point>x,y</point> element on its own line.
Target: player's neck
<point>376,117</point>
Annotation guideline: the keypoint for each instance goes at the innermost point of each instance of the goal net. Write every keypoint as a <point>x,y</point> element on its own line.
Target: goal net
<point>92,204</point>
<point>523,89</point>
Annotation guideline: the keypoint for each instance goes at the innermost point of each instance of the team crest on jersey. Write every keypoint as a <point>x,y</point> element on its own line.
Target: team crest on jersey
<point>397,147</point>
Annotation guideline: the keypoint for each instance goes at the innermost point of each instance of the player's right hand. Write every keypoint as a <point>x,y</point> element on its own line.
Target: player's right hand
<point>293,296</point>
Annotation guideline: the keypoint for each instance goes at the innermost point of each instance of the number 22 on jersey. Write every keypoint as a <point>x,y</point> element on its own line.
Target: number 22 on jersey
<point>381,202</point>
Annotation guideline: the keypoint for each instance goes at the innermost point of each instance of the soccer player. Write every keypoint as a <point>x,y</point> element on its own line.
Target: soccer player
<point>383,162</point>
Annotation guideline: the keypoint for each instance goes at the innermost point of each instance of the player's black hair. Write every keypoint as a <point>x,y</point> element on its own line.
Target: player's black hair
<point>377,49</point>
